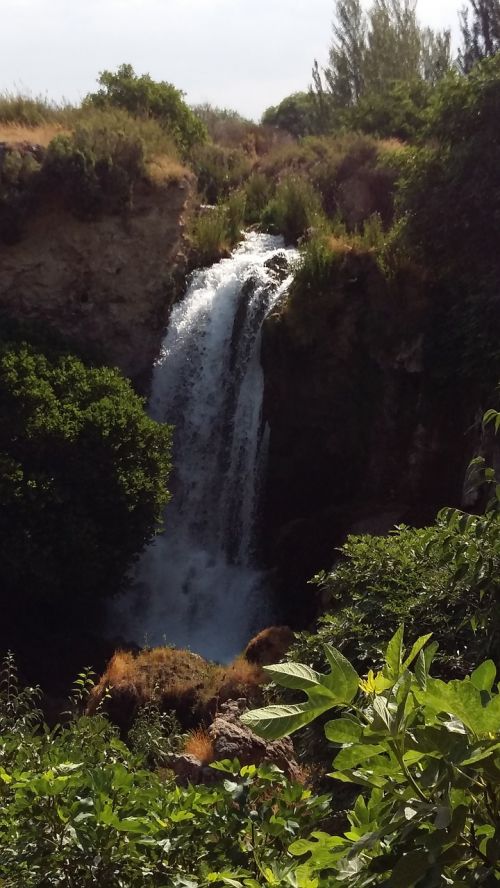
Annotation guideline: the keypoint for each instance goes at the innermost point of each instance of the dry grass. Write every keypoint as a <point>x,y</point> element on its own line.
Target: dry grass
<point>199,743</point>
<point>35,135</point>
<point>175,679</point>
<point>162,170</point>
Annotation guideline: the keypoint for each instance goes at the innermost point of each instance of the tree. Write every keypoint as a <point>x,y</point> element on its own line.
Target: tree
<point>435,55</point>
<point>345,73</point>
<point>394,43</point>
<point>83,473</point>
<point>371,52</point>
<point>296,114</point>
<point>142,96</point>
<point>481,35</point>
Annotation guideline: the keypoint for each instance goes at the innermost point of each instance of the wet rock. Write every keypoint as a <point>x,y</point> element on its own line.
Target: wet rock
<point>278,266</point>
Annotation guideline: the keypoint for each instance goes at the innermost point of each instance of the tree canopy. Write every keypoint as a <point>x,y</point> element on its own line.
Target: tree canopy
<point>142,96</point>
<point>83,473</point>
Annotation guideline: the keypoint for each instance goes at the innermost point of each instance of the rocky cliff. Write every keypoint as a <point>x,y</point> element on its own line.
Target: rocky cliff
<point>368,427</point>
<point>106,285</point>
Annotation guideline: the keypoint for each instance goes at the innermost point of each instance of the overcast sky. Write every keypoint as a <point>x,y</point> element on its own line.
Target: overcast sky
<point>244,54</point>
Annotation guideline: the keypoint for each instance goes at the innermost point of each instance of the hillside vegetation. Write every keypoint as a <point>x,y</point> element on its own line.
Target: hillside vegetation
<point>379,365</point>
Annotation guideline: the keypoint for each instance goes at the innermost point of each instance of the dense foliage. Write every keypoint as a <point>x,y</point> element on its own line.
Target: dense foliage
<point>83,474</point>
<point>441,579</point>
<point>79,808</point>
<point>143,97</point>
<point>426,753</point>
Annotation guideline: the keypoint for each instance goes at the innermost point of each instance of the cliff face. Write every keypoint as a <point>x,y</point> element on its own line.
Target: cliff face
<point>364,435</point>
<point>107,285</point>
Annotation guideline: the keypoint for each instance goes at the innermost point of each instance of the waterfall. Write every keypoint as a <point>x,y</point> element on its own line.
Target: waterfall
<point>198,584</point>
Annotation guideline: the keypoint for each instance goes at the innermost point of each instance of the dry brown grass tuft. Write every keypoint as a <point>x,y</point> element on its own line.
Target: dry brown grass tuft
<point>241,679</point>
<point>35,135</point>
<point>164,170</point>
<point>175,679</point>
<point>199,743</point>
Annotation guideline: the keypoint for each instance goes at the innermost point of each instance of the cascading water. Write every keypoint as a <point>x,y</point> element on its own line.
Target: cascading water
<point>198,585</point>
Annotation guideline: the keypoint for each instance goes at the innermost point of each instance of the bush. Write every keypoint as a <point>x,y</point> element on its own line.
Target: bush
<point>79,806</point>
<point>30,111</point>
<point>209,235</point>
<point>258,191</point>
<point>295,208</point>
<point>297,114</point>
<point>83,474</point>
<point>440,579</point>
<point>143,97</point>
<point>425,752</point>
<point>354,174</point>
<point>219,170</point>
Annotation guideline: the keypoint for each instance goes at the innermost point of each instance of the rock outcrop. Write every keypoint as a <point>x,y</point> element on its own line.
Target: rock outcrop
<point>369,427</point>
<point>233,740</point>
<point>104,286</point>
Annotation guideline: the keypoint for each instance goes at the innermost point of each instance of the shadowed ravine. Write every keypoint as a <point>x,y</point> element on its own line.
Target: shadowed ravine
<point>199,585</point>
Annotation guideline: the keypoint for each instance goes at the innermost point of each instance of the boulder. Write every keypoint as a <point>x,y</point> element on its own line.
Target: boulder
<point>278,266</point>
<point>233,740</point>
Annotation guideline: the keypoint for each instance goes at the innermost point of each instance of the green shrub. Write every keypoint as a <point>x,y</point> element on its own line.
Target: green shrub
<point>25,110</point>
<point>440,579</point>
<point>295,208</point>
<point>235,215</point>
<point>79,808</point>
<point>83,473</point>
<point>208,234</point>
<point>143,97</point>
<point>258,194</point>
<point>219,170</point>
<point>426,754</point>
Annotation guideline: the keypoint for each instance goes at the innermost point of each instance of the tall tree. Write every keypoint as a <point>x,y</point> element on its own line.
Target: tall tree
<point>394,44</point>
<point>480,33</point>
<point>435,55</point>
<point>345,71</point>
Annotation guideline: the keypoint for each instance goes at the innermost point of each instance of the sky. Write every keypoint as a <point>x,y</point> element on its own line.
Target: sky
<point>242,54</point>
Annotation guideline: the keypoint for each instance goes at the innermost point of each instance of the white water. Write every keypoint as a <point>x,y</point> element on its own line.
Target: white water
<point>198,585</point>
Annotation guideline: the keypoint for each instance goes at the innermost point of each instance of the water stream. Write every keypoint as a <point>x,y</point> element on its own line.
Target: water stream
<point>199,584</point>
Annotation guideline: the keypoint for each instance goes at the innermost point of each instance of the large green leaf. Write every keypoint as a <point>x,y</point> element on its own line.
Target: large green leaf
<point>394,655</point>
<point>463,700</point>
<point>484,676</point>
<point>274,722</point>
<point>343,679</point>
<point>297,676</point>
<point>343,730</point>
<point>337,687</point>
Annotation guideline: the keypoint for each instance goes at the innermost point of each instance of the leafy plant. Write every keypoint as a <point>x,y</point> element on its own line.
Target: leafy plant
<point>425,751</point>
<point>294,209</point>
<point>143,97</point>
<point>83,474</point>
<point>442,578</point>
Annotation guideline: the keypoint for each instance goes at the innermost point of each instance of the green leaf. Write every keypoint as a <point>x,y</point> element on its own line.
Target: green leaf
<point>343,680</point>
<point>343,730</point>
<point>275,722</point>
<point>409,869</point>
<point>484,676</point>
<point>394,654</point>
<point>417,647</point>
<point>297,677</point>
<point>463,700</point>
<point>351,756</point>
